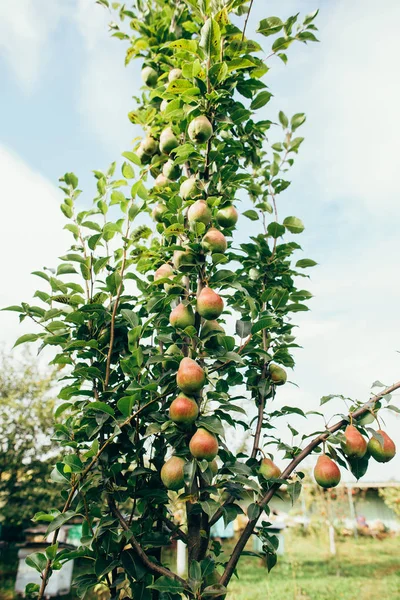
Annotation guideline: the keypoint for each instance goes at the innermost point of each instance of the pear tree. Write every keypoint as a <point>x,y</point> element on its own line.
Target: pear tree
<point>168,328</point>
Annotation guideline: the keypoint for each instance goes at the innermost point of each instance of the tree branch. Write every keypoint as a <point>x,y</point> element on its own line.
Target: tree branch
<point>248,530</point>
<point>153,567</point>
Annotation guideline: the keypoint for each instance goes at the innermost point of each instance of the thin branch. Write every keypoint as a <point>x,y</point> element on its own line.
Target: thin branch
<point>153,567</point>
<point>174,528</point>
<point>246,21</point>
<point>248,530</point>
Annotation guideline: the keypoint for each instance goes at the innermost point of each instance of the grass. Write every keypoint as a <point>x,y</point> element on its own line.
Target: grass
<point>362,569</point>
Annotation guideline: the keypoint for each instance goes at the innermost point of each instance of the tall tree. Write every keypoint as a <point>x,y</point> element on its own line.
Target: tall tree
<point>26,451</point>
<point>156,325</point>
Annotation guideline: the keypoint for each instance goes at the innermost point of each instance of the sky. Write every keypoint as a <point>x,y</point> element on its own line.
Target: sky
<point>65,94</point>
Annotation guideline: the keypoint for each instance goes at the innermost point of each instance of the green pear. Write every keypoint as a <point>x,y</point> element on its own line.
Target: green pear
<point>227,216</point>
<point>158,212</point>
<point>161,181</point>
<point>189,189</point>
<point>171,171</point>
<point>203,445</point>
<point>183,409</point>
<point>200,130</point>
<point>209,304</point>
<point>190,377</point>
<point>214,241</point>
<point>173,355</point>
<point>168,141</point>
<point>269,470</point>
<point>174,74</point>
<point>149,76</point>
<point>183,260</point>
<point>326,472</point>
<point>172,474</point>
<point>382,453</point>
<point>277,375</point>
<point>199,212</point>
<point>182,316</point>
<point>354,445</point>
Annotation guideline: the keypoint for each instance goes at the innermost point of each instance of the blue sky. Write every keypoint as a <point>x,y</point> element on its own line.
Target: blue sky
<point>64,98</point>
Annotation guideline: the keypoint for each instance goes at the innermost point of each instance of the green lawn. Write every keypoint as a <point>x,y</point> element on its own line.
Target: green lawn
<point>364,569</point>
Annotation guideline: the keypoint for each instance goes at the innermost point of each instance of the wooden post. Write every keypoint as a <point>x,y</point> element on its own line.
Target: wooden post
<point>352,510</point>
<point>180,558</point>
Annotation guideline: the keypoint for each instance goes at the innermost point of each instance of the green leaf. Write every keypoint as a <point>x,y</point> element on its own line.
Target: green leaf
<point>134,159</point>
<point>166,585</point>
<point>60,520</point>
<point>210,507</point>
<point>294,490</point>
<point>260,100</point>
<point>125,405</point>
<point>297,120</point>
<point>284,121</point>
<point>253,511</point>
<point>210,40</point>
<point>305,262</point>
<point>270,26</point>
<point>183,44</point>
<point>275,229</point>
<point>264,323</point>
<point>293,224</point>
<point>37,560</point>
<point>28,337</point>
<point>211,423</point>
<point>215,590</point>
<point>101,406</point>
<point>243,328</point>
<point>251,214</point>
<point>127,170</point>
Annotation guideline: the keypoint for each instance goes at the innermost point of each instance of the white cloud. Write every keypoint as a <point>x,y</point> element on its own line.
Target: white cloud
<point>24,33</point>
<point>32,237</point>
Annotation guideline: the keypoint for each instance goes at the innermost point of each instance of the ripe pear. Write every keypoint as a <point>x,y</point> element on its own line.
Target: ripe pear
<point>381,453</point>
<point>277,375</point>
<point>161,181</point>
<point>189,189</point>
<point>209,304</point>
<point>163,272</point>
<point>149,145</point>
<point>354,445</point>
<point>172,474</point>
<point>203,445</point>
<point>168,141</point>
<point>214,241</point>
<point>326,472</point>
<point>199,212</point>
<point>227,216</point>
<point>182,316</point>
<point>149,76</point>
<point>190,377</point>
<point>158,212</point>
<point>200,130</point>
<point>171,171</point>
<point>183,410</point>
<point>269,470</point>
<point>183,260</point>
<point>174,74</point>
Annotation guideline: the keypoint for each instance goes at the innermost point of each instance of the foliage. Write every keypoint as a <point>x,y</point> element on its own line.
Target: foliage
<point>26,453</point>
<point>105,309</point>
<point>391,497</point>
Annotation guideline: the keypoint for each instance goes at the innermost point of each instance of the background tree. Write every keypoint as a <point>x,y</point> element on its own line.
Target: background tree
<point>391,496</point>
<point>156,326</point>
<point>26,451</point>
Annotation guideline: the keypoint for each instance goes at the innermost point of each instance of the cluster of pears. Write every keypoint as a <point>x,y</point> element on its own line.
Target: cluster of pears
<point>184,410</point>
<point>354,445</point>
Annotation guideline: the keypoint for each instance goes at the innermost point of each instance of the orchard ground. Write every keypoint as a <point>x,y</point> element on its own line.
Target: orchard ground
<point>364,568</point>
